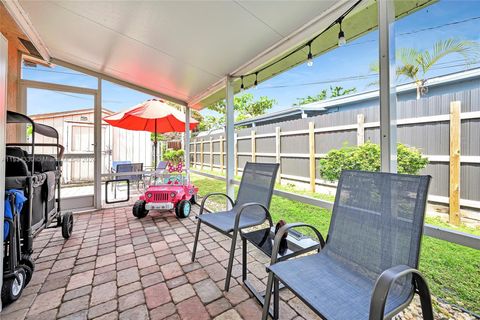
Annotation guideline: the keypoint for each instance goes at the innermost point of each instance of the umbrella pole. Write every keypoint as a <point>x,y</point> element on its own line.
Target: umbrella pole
<point>155,146</point>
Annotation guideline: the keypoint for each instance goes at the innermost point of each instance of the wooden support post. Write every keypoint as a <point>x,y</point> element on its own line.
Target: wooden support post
<point>235,148</point>
<point>455,137</point>
<point>254,148</point>
<point>360,129</point>
<point>195,154</point>
<point>277,153</point>
<point>222,160</point>
<point>201,154</point>
<point>311,145</point>
<point>211,153</point>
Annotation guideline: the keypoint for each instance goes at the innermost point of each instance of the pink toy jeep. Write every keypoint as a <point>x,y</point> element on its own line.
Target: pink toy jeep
<point>167,192</point>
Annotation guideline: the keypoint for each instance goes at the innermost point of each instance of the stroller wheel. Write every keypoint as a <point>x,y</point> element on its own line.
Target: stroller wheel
<point>67,225</point>
<point>28,273</point>
<point>12,288</point>
<point>59,220</point>
<point>28,264</point>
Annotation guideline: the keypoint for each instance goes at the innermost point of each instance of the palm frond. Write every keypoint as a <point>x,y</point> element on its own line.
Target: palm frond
<point>469,50</point>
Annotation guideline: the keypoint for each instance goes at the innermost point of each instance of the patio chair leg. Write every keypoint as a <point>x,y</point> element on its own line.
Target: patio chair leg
<point>197,233</point>
<point>230,260</point>
<point>425,299</point>
<point>276,298</point>
<point>268,295</point>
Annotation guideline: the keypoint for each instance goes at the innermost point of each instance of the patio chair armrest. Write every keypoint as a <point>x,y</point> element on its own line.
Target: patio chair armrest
<point>251,204</point>
<point>284,229</point>
<point>384,283</point>
<point>202,205</point>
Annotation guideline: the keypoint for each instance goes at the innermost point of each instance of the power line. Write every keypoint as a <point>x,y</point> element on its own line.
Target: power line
<point>419,30</point>
<point>353,78</point>
<point>85,98</point>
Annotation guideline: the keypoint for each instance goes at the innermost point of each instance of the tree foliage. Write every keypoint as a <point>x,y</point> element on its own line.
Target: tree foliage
<point>323,95</point>
<point>367,158</point>
<point>245,107</point>
<point>414,64</point>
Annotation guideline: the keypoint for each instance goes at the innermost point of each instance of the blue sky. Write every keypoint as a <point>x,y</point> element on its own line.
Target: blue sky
<point>336,67</point>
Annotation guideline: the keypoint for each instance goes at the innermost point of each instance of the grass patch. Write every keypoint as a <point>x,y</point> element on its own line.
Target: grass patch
<point>452,271</point>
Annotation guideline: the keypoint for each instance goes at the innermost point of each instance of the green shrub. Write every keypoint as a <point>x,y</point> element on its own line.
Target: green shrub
<point>367,158</point>
<point>173,156</point>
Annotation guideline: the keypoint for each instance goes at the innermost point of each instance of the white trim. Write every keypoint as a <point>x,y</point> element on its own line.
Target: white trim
<point>3,133</point>
<point>15,9</point>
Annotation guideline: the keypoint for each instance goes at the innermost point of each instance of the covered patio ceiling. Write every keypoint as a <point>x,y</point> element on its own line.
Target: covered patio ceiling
<point>183,50</point>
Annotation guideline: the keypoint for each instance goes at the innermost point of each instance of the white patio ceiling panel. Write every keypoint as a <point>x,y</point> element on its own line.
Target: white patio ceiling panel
<point>179,48</point>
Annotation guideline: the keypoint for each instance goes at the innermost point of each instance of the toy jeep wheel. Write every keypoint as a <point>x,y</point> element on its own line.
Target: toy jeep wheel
<point>193,199</point>
<point>139,209</point>
<point>182,210</point>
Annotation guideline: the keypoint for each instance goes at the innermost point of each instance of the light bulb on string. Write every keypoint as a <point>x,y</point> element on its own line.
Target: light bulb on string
<point>256,81</point>
<point>341,35</point>
<point>310,56</point>
<point>242,87</point>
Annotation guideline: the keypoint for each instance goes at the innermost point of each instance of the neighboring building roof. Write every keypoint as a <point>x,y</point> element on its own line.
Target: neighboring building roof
<point>297,110</point>
<point>66,113</point>
<point>323,106</point>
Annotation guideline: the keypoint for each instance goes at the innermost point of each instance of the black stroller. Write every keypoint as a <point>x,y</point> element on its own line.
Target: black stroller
<point>38,176</point>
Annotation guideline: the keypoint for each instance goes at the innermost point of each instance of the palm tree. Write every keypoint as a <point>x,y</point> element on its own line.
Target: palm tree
<point>415,64</point>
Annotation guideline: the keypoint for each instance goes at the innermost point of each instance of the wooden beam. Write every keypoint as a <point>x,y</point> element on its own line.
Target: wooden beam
<point>201,154</point>
<point>222,160</point>
<point>235,150</point>
<point>455,124</point>
<point>211,153</point>
<point>277,153</point>
<point>360,129</point>
<point>311,147</point>
<point>254,147</point>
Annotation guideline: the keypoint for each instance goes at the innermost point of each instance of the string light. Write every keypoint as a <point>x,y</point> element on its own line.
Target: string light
<point>341,35</point>
<point>256,81</point>
<point>310,56</point>
<point>341,41</point>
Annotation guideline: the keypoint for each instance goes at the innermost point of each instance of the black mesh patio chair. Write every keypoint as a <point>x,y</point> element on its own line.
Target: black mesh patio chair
<point>367,268</point>
<point>250,209</point>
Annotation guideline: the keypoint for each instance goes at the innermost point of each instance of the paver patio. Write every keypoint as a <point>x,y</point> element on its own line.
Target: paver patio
<point>118,267</point>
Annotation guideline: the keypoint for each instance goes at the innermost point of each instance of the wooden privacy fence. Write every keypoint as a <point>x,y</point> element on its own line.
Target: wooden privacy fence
<point>299,148</point>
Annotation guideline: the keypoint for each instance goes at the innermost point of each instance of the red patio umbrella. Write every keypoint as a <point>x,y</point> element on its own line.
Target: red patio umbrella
<point>153,116</point>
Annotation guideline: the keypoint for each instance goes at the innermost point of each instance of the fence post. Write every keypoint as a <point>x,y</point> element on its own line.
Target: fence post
<point>221,155</point>
<point>277,153</point>
<point>195,154</point>
<point>360,129</point>
<point>254,148</point>
<point>454,197</point>
<point>211,153</point>
<point>201,154</point>
<point>235,148</point>
<point>311,144</point>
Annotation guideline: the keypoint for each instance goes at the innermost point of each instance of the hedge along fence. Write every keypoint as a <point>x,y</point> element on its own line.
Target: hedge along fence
<point>437,125</point>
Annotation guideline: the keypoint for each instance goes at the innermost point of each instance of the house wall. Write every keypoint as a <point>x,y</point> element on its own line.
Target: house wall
<point>12,32</point>
<point>76,135</point>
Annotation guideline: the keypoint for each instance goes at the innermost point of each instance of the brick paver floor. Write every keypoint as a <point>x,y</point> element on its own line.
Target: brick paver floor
<point>118,267</point>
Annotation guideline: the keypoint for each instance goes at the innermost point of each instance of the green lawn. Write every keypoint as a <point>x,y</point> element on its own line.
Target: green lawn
<point>453,271</point>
